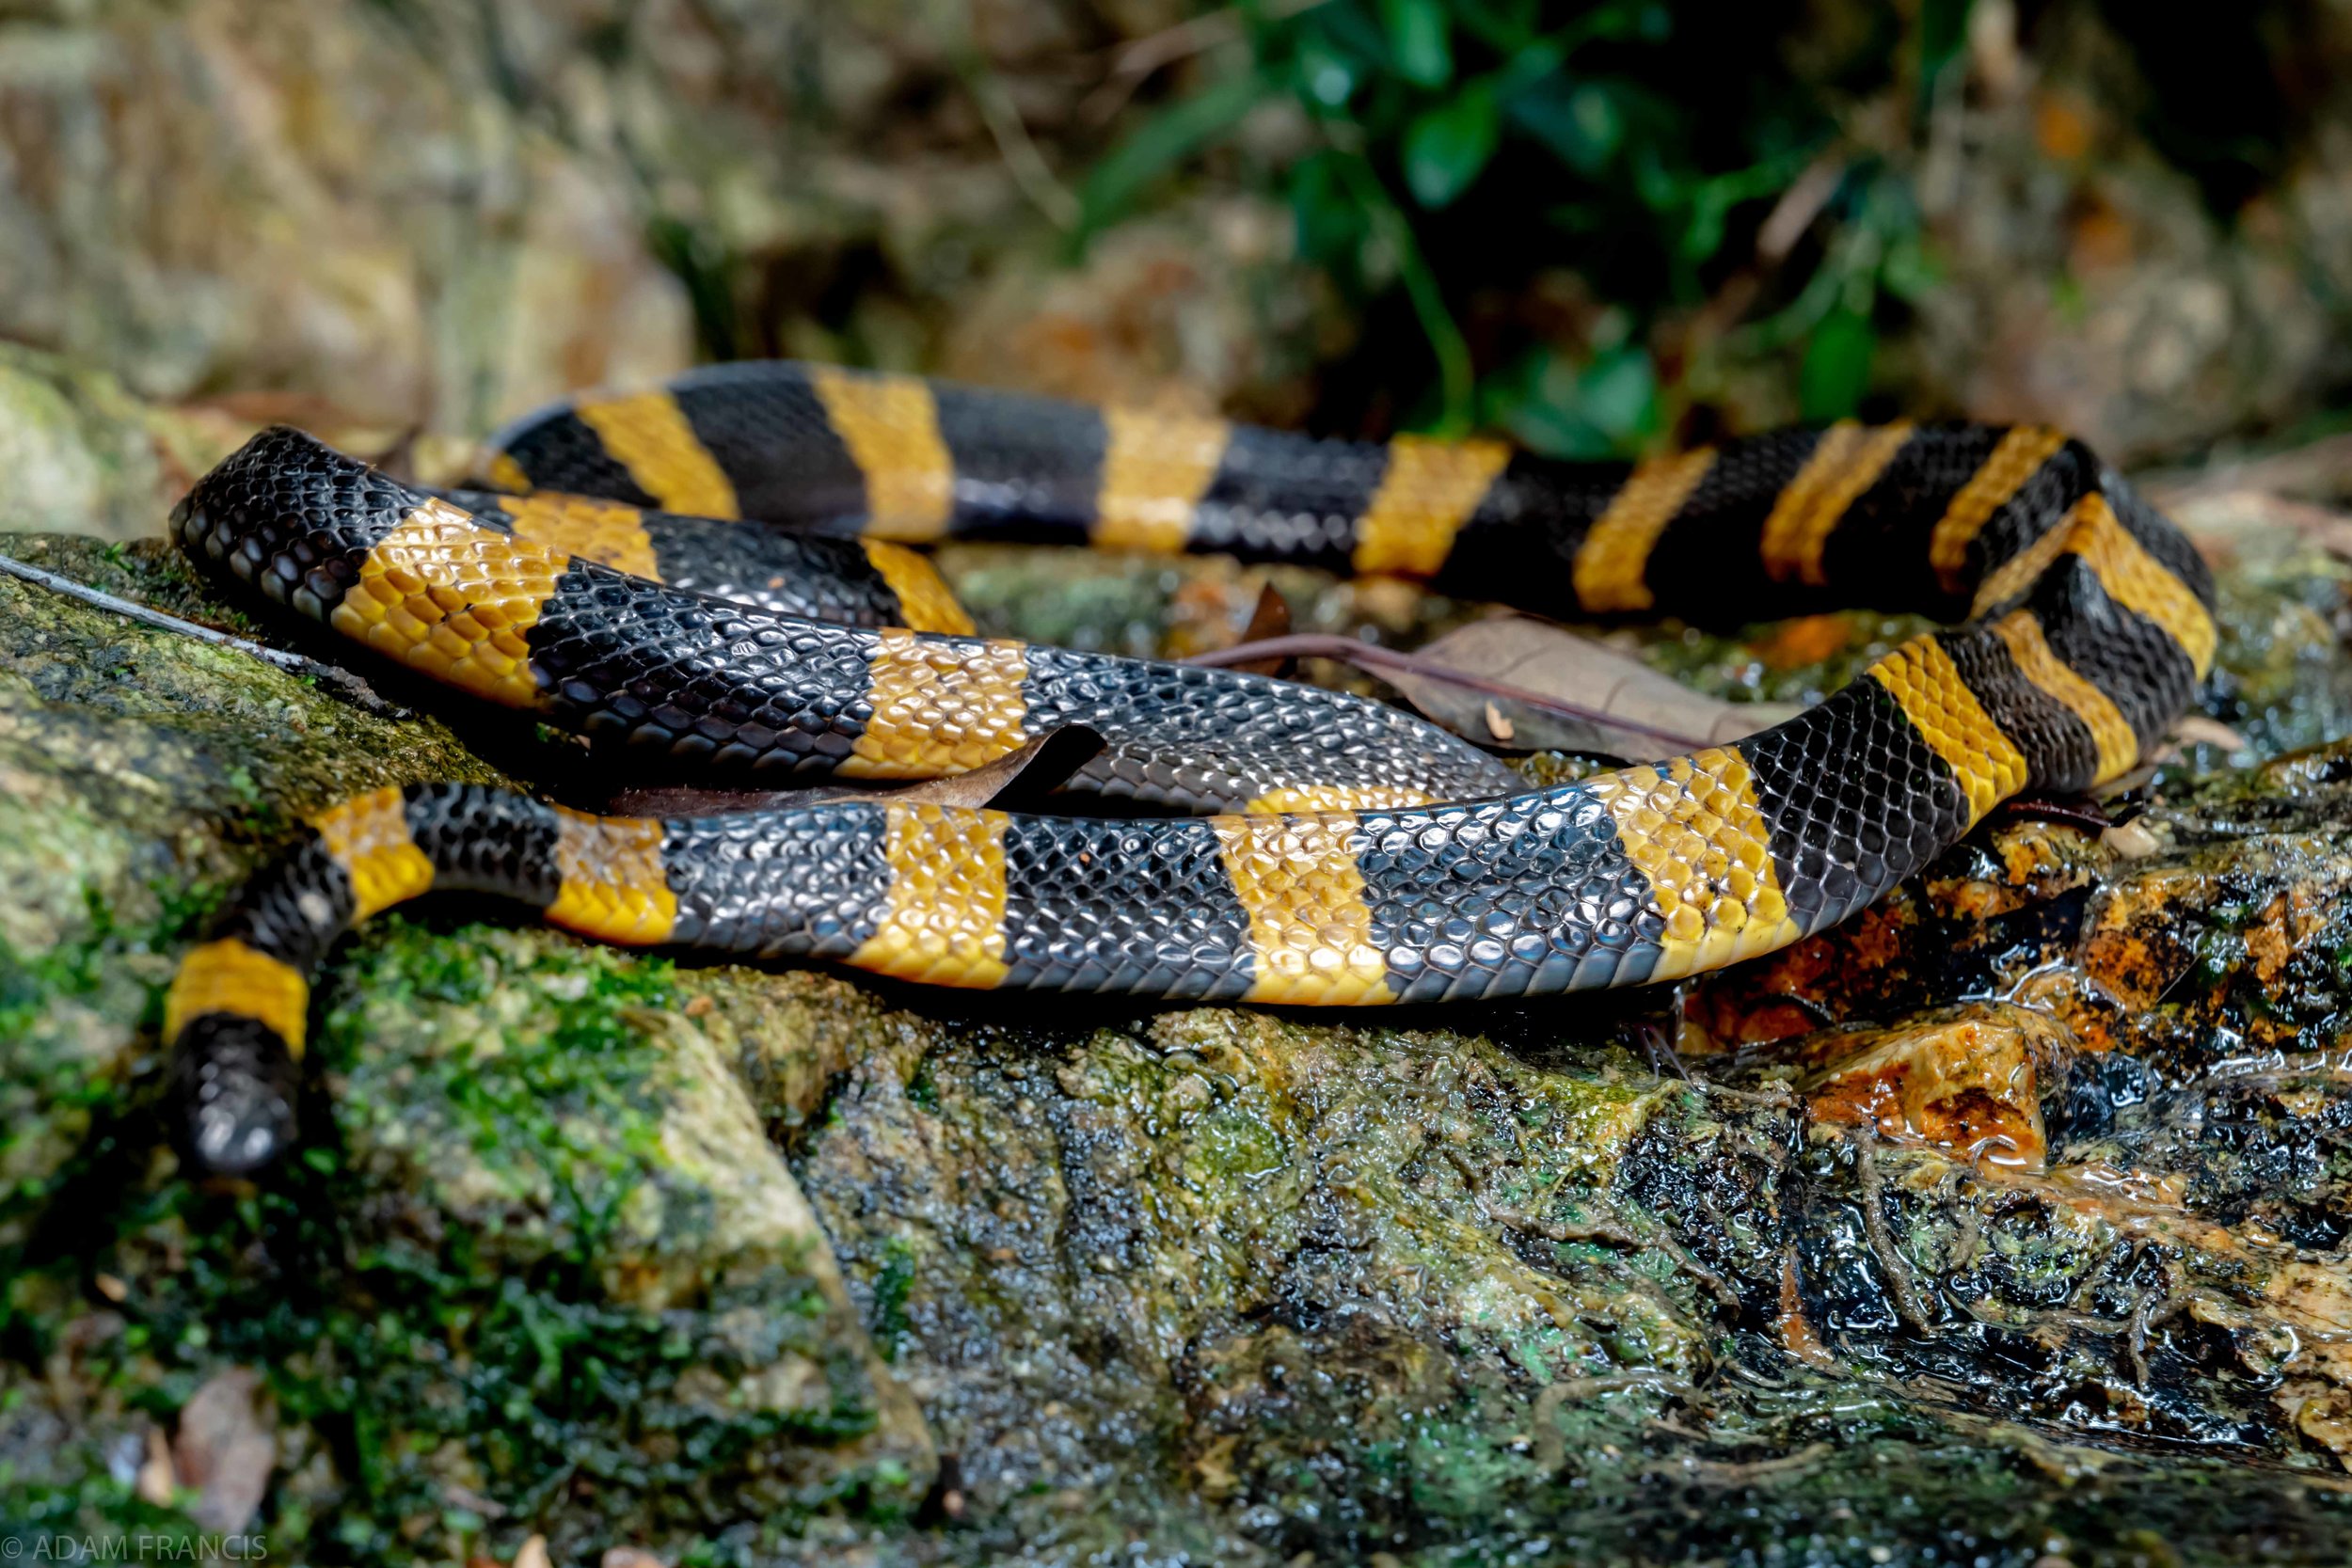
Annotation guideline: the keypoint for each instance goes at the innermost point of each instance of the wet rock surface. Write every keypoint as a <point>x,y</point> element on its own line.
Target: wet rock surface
<point>2001,1224</point>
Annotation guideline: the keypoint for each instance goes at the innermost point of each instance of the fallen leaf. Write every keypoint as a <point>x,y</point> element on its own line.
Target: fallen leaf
<point>158,1479</point>
<point>1539,686</point>
<point>227,1447</point>
<point>1269,618</point>
<point>1554,688</point>
<point>535,1554</point>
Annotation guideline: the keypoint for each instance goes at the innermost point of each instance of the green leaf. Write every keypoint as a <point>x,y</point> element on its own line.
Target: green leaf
<point>1605,407</point>
<point>1326,77</point>
<point>1158,146</point>
<point>1446,147</point>
<point>1620,395</point>
<point>1418,41</point>
<point>1943,29</point>
<point>1837,368</point>
<point>1578,121</point>
<point>1331,227</point>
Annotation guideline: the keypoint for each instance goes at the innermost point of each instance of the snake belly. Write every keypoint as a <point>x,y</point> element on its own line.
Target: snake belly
<point>2085,630</point>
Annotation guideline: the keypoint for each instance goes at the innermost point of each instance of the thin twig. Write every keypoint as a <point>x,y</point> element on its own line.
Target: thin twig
<point>345,683</point>
<point>1719,1472</point>
<point>2148,1312</point>
<point>1132,63</point>
<point>1970,1242</point>
<point>1607,1232</point>
<point>1370,656</point>
<point>1657,1046</point>
<point>1899,1280</point>
<point>1019,150</point>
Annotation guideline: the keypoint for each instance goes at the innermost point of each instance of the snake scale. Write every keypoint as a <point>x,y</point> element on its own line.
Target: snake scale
<point>608,584</point>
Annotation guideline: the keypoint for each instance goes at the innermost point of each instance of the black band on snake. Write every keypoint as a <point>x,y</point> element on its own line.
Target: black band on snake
<point>1361,856</point>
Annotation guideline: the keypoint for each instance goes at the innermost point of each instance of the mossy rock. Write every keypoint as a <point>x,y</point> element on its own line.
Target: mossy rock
<point>541,1249</point>
<point>746,1266</point>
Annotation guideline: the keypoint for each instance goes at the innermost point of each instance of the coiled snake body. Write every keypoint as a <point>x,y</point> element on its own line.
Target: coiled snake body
<point>1358,855</point>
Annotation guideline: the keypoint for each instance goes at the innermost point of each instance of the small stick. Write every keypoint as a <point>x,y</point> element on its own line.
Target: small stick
<point>1899,1280</point>
<point>342,681</point>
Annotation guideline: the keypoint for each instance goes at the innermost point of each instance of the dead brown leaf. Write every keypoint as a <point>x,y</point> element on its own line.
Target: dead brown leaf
<point>1270,617</point>
<point>227,1447</point>
<point>1566,691</point>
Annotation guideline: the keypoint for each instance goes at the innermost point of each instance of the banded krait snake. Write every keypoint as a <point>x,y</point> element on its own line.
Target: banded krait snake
<point>1361,856</point>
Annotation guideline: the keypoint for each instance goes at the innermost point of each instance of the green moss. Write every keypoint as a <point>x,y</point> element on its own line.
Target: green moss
<point>493,1276</point>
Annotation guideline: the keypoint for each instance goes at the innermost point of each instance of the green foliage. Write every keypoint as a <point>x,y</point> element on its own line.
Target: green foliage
<point>1465,151</point>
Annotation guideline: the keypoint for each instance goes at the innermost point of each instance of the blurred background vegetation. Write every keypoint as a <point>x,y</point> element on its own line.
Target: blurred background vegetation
<point>1597,228</point>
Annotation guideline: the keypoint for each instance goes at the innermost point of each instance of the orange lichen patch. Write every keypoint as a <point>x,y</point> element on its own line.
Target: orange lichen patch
<point>1693,829</point>
<point>2132,944</point>
<point>939,707</point>
<point>613,887</point>
<point>1788,993</point>
<point>924,601</point>
<point>607,532</point>
<point>227,976</point>
<point>2036,861</point>
<point>2286,923</point>
<point>1806,639</point>
<point>890,423</point>
<point>1796,1330</point>
<point>943,921</point>
<point>1429,491</point>
<point>649,435</point>
<point>1847,461</point>
<point>1611,567</point>
<point>1874,938</point>
<point>1921,677</point>
<point>1966,1082</point>
<point>1770,1018</point>
<point>369,837</point>
<point>1310,928</point>
<point>452,599</point>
